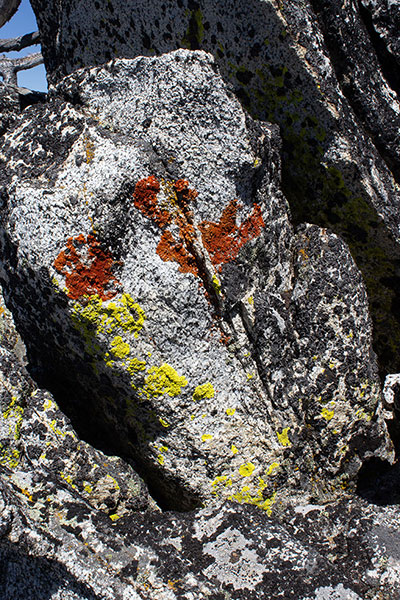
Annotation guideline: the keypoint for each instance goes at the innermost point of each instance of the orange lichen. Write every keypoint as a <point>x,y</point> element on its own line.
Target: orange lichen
<point>169,249</point>
<point>223,240</point>
<point>87,269</point>
<point>145,199</point>
<point>184,193</point>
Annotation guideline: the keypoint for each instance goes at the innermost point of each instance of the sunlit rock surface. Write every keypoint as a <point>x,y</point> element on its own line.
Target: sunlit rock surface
<point>183,339</point>
<point>182,321</point>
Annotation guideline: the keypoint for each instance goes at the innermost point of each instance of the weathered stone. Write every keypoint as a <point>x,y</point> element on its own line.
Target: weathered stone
<point>182,322</point>
<point>40,454</point>
<point>9,107</point>
<point>344,551</point>
<point>175,319</point>
<point>275,57</point>
<point>385,16</point>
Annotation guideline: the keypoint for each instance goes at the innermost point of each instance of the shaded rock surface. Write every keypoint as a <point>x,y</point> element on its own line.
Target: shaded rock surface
<point>317,70</point>
<point>58,540</point>
<point>153,270</point>
<point>169,306</point>
<point>346,551</point>
<point>9,107</point>
<point>40,454</point>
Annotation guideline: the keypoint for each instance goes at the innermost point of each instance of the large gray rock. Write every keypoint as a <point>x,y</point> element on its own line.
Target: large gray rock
<point>191,331</point>
<point>312,67</point>
<point>344,551</point>
<point>69,526</point>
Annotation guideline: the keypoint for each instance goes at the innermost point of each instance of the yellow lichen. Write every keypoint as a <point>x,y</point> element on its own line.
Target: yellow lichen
<point>230,411</point>
<point>134,366</point>
<point>206,390</point>
<point>47,404</point>
<point>272,468</point>
<point>245,497</point>
<point>68,479</point>
<point>234,450</point>
<point>216,285</point>
<point>119,348</point>
<point>221,481</point>
<point>206,437</point>
<point>247,469</point>
<point>9,457</point>
<point>327,414</point>
<point>283,437</point>
<point>163,380</point>
<point>114,517</point>
<point>115,482</point>
<point>361,414</point>
<point>56,429</point>
<point>96,316</point>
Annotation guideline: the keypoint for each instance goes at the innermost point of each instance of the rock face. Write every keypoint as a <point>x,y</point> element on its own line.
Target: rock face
<point>179,338</point>
<point>150,251</point>
<point>40,453</point>
<point>69,526</point>
<point>9,107</point>
<point>324,72</point>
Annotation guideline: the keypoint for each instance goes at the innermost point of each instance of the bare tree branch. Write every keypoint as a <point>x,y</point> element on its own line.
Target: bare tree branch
<point>7,9</point>
<point>18,43</point>
<point>9,67</point>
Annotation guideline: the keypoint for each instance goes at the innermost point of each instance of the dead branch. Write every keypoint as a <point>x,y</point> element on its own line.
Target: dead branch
<point>7,9</point>
<point>9,67</point>
<point>19,43</point>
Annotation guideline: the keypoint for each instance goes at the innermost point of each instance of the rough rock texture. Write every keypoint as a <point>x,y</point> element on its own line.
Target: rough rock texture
<point>346,551</point>
<point>172,307</point>
<point>9,107</point>
<point>191,331</point>
<point>68,530</point>
<point>40,454</point>
<point>385,17</point>
<point>315,68</point>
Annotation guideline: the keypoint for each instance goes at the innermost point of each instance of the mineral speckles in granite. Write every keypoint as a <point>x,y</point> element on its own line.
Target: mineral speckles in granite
<point>140,342</point>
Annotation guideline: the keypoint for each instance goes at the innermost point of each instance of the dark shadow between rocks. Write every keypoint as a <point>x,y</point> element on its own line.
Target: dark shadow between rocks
<point>32,578</point>
<point>379,482</point>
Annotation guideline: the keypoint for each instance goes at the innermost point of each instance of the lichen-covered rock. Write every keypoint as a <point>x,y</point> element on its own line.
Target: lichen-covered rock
<point>40,454</point>
<point>343,551</point>
<point>9,107</point>
<point>315,69</point>
<point>152,268</point>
